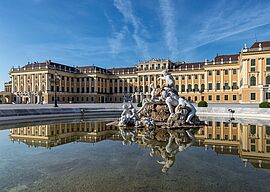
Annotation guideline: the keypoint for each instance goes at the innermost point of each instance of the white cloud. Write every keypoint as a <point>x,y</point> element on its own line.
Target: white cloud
<point>221,23</point>
<point>116,42</point>
<point>125,8</point>
<point>168,20</point>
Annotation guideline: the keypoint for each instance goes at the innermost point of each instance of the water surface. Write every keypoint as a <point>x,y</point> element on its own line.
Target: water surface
<point>88,156</point>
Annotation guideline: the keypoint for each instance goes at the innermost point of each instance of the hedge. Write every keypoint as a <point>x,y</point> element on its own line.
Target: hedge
<point>202,104</point>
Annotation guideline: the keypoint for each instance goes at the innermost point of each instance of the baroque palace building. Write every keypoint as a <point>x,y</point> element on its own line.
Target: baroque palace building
<point>236,78</point>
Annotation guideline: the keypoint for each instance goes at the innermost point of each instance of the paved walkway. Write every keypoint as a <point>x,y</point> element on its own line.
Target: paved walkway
<point>74,105</point>
<point>110,105</point>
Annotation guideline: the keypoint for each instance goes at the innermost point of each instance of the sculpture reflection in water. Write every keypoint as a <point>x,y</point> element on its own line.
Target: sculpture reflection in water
<point>162,143</point>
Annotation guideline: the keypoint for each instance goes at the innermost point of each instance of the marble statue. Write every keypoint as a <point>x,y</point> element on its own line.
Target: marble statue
<point>169,80</point>
<point>129,116</point>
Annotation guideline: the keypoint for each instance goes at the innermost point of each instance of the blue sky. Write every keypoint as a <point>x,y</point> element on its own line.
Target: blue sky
<point>116,33</point>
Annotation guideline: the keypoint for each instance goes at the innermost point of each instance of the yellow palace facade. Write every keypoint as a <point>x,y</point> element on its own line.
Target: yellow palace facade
<point>236,78</point>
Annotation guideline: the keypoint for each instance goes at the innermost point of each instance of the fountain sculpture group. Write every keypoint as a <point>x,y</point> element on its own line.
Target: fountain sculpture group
<point>165,108</point>
<point>166,122</point>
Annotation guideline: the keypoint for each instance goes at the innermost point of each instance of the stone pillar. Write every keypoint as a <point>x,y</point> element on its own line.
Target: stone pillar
<point>12,84</point>
<point>39,82</point>
<point>260,69</point>
<point>65,83</point>
<point>128,85</point>
<point>47,81</point>
<point>199,82</point>
<point>192,81</point>
<point>90,85</point>
<point>261,139</point>
<point>221,79</point>
<point>33,84</point>
<point>155,81</point>
<point>85,80</point>
<point>108,85</point>
<point>261,93</point>
<point>143,84</point>
<point>245,72</point>
<point>24,84</point>
<point>118,85</point>
<point>123,85</point>
<point>230,78</point>
<point>214,131</point>
<point>214,80</point>
<point>96,84</point>
<point>206,80</point>
<point>230,132</point>
<point>113,86</point>
<point>186,83</point>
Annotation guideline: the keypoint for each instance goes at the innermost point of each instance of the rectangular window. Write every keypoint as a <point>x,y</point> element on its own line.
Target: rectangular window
<point>210,97</point>
<point>183,77</point>
<point>267,95</point>
<point>202,76</point>
<point>267,64</point>
<point>252,96</point>
<point>226,97</point>
<point>189,76</point>
<point>226,86</point>
<point>217,86</point>
<point>252,65</point>
<point>226,71</point>
<point>253,148</point>
<point>210,86</point>
<point>218,97</point>
<point>234,71</point>
<point>217,72</point>
<point>234,97</point>
<point>234,85</point>
<point>196,76</point>
<point>209,73</point>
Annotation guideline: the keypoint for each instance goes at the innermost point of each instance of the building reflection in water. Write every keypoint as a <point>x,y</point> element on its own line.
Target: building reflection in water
<point>250,142</point>
<point>58,134</point>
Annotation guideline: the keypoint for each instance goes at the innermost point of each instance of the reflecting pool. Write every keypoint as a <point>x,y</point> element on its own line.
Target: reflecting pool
<point>86,155</point>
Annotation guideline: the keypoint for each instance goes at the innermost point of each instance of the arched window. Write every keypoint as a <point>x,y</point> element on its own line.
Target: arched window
<point>146,88</point>
<point>189,87</point>
<point>182,88</point>
<point>202,87</point>
<point>252,81</point>
<point>268,80</point>
<point>196,88</point>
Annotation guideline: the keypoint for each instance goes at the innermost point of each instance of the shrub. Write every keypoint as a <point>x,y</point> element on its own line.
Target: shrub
<point>139,104</point>
<point>202,104</point>
<point>264,105</point>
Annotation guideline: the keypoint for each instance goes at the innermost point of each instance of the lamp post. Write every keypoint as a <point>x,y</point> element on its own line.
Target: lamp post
<point>56,77</point>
